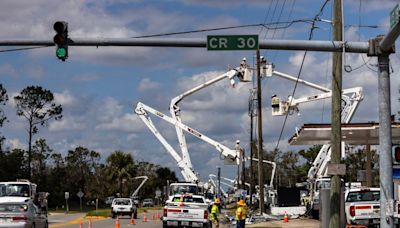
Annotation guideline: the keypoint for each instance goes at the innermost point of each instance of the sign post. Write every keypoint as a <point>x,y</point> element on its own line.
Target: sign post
<point>80,195</point>
<point>66,194</point>
<point>232,42</point>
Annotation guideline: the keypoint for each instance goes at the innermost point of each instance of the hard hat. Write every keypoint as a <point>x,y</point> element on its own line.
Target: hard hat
<point>303,195</point>
<point>241,203</point>
<point>244,59</point>
<point>237,141</point>
<point>217,201</point>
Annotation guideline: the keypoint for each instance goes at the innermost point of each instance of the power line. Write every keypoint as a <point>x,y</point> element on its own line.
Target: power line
<point>301,68</point>
<point>24,49</point>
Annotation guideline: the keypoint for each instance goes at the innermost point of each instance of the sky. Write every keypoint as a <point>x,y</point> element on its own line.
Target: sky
<point>99,87</point>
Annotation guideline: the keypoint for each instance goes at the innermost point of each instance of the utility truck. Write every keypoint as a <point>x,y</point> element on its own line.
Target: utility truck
<point>242,73</point>
<point>186,210</point>
<point>351,98</point>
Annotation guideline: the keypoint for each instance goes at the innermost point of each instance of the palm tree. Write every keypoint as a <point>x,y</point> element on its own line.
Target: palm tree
<point>120,166</point>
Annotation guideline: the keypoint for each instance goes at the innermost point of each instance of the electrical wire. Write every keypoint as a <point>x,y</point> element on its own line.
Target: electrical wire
<point>313,27</point>
<point>24,49</point>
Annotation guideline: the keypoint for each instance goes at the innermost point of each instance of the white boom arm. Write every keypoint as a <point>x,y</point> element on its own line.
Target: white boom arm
<point>142,109</point>
<point>145,178</point>
<point>230,180</point>
<point>215,186</point>
<point>243,73</point>
<point>349,106</point>
<point>187,173</point>
<point>271,183</point>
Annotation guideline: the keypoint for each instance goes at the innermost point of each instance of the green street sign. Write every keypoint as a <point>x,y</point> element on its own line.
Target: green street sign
<point>394,16</point>
<point>232,42</point>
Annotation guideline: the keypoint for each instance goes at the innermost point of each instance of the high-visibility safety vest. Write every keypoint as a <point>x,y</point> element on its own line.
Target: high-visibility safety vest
<point>241,213</point>
<point>214,212</point>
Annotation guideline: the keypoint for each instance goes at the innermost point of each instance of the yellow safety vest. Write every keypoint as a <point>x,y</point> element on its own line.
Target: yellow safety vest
<point>214,212</point>
<point>241,213</point>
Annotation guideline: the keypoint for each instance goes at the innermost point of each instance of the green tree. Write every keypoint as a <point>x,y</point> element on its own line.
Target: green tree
<point>40,156</point>
<point>36,105</point>
<point>81,165</point>
<point>13,165</point>
<point>3,118</point>
<point>120,167</point>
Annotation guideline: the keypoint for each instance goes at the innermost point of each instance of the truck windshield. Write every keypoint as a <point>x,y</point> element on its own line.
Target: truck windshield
<point>323,184</point>
<point>14,190</point>
<point>362,196</point>
<point>188,199</point>
<point>179,189</point>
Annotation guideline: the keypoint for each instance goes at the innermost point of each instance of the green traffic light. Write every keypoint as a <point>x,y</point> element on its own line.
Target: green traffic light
<point>61,53</point>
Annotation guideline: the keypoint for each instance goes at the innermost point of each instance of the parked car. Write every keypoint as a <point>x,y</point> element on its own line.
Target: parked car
<point>123,206</point>
<point>14,213</point>
<point>148,203</point>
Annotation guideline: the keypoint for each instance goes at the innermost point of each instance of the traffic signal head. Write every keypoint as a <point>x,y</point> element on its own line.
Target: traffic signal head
<point>61,39</point>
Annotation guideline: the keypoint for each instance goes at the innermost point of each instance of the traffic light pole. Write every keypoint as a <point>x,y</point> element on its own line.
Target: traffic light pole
<point>296,45</point>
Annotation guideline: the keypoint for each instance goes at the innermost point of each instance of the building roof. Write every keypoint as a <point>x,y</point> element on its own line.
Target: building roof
<point>352,134</point>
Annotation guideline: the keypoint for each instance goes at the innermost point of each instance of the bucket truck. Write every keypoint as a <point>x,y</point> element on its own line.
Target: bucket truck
<point>243,73</point>
<point>351,98</point>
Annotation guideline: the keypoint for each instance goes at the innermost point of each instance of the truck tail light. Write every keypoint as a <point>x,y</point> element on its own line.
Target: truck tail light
<point>352,211</point>
<point>205,214</point>
<point>19,218</point>
<point>165,212</point>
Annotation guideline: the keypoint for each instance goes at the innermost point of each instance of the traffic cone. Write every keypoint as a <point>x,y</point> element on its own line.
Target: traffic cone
<point>132,219</point>
<point>81,224</point>
<point>286,217</point>
<point>117,222</point>
<point>152,215</point>
<point>90,223</point>
<point>144,217</point>
<point>158,215</point>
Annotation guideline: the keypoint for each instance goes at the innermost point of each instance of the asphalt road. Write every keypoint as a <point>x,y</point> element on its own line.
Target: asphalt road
<point>75,220</point>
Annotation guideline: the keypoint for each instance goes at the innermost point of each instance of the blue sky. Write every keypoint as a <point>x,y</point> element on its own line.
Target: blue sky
<point>99,87</point>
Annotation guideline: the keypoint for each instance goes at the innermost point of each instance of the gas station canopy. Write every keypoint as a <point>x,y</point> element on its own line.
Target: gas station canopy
<point>352,134</point>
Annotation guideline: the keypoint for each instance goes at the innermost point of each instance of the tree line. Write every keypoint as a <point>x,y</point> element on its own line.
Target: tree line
<point>80,169</point>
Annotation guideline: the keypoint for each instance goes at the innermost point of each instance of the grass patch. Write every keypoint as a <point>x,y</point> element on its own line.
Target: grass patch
<point>100,212</point>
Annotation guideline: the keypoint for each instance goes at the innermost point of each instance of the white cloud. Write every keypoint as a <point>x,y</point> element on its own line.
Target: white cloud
<point>15,144</point>
<point>65,98</point>
<point>147,84</point>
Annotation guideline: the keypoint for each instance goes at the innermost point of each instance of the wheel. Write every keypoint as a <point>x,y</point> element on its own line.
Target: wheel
<point>164,225</point>
<point>33,225</point>
<point>46,225</point>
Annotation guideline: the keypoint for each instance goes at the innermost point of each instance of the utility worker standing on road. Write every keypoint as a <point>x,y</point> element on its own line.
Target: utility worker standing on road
<point>241,214</point>
<point>215,212</point>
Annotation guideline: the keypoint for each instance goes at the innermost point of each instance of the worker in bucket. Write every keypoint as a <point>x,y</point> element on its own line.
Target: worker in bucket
<point>215,212</point>
<point>241,214</point>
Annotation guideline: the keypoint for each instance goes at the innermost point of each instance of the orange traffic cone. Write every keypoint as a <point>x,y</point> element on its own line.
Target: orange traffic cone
<point>158,215</point>
<point>152,215</point>
<point>144,217</point>
<point>132,219</point>
<point>286,217</point>
<point>117,222</point>
<point>81,224</point>
<point>90,223</point>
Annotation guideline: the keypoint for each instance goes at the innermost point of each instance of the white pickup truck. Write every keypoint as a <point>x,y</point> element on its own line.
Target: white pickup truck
<point>123,206</point>
<point>362,206</point>
<point>186,211</point>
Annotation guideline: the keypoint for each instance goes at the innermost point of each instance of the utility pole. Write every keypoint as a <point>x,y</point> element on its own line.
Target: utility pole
<point>242,153</point>
<point>260,140</point>
<point>251,113</point>
<point>219,182</point>
<point>334,220</point>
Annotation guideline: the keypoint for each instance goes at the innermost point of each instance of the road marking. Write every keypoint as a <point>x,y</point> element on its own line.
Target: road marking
<point>78,220</point>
